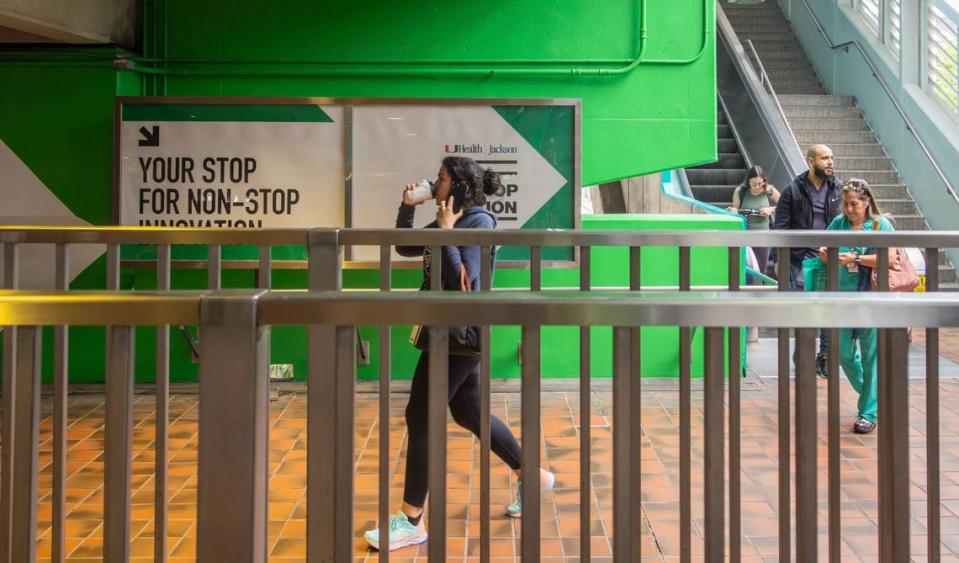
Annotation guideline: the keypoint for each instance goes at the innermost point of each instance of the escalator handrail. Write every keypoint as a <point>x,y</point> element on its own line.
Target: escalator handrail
<point>765,81</point>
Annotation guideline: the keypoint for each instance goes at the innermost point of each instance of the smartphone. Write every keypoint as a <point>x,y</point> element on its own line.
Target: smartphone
<point>458,193</point>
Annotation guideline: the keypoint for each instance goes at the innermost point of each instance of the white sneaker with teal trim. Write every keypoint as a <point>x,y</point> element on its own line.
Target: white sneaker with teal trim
<point>402,533</point>
<point>515,508</point>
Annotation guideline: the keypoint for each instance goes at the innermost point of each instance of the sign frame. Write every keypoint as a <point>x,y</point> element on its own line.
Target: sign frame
<point>348,103</point>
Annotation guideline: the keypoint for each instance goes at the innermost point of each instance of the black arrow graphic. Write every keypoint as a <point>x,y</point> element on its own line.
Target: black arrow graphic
<point>151,138</point>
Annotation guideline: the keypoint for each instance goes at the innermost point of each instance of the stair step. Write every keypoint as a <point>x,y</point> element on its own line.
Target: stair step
<point>721,194</point>
<point>727,161</point>
<point>870,176</point>
<point>783,77</point>
<point>715,177</point>
<point>743,23</point>
<point>861,149</point>
<point>910,223</point>
<point>726,146</point>
<point>805,138</point>
<point>723,131</point>
<point>822,112</point>
<point>798,89</point>
<point>816,100</point>
<point>798,66</point>
<point>767,35</point>
<point>898,206</point>
<point>888,191</point>
<point>880,163</point>
<point>839,124</point>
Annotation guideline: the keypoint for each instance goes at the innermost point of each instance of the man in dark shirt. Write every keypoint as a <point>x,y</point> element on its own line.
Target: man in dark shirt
<point>810,202</point>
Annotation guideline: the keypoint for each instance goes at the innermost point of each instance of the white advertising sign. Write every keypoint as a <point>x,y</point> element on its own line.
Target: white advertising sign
<point>395,145</point>
<point>232,166</point>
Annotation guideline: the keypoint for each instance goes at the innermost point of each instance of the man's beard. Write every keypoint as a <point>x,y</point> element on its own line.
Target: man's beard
<point>820,173</point>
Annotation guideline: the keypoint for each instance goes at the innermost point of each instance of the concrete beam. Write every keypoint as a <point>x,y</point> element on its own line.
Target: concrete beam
<point>70,21</point>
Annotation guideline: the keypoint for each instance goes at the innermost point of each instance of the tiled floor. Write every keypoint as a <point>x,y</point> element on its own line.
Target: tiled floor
<point>560,522</point>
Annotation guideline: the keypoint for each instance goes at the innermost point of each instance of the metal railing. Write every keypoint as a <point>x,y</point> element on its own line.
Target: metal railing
<point>234,403</point>
<point>236,324</point>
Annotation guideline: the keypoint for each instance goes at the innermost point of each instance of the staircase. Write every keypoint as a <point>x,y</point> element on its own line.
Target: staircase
<point>816,117</point>
<point>715,182</point>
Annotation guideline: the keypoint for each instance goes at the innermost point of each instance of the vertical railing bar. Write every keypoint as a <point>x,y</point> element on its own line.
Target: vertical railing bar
<point>783,416</point>
<point>162,421</point>
<point>438,392</point>
<point>214,265</point>
<point>933,523</point>
<point>386,254</point>
<point>535,269</point>
<point>118,442</point>
<point>530,423</point>
<point>585,417</point>
<point>25,442</point>
<point>264,269</point>
<point>11,280</point>
<point>882,267</point>
<point>635,419</point>
<point>113,267</point>
<point>713,462</point>
<point>436,268</point>
<point>61,378</point>
<point>234,426</point>
<point>806,444</point>
<point>734,263</point>
<point>486,284</point>
<point>894,513</point>
<point>623,447</point>
<point>832,413</point>
<point>685,420</point>
<point>324,274</point>
<point>343,450</point>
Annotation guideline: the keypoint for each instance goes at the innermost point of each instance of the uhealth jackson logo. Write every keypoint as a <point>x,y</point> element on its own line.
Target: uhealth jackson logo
<point>477,148</point>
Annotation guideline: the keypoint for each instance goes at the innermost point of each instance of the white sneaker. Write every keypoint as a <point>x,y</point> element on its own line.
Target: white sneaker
<point>402,533</point>
<point>515,508</point>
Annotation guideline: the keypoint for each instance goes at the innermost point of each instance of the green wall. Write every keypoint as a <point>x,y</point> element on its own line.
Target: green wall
<point>56,108</point>
<point>56,105</point>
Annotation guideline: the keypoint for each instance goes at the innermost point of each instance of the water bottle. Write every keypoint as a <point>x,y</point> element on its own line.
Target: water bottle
<point>421,192</point>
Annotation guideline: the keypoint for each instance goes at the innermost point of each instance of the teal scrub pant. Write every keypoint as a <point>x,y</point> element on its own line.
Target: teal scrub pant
<point>858,360</point>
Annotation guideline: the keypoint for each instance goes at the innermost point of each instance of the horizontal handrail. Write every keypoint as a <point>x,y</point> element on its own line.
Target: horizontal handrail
<point>571,308</point>
<point>885,88</point>
<point>474,237</point>
<point>99,308</point>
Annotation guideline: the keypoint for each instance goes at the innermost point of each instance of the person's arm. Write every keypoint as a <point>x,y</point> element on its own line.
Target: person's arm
<point>783,216</point>
<point>773,200</point>
<point>404,220</point>
<point>736,203</point>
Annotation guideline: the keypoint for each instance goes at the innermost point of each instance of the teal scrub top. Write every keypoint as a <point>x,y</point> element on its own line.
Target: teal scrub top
<point>849,281</point>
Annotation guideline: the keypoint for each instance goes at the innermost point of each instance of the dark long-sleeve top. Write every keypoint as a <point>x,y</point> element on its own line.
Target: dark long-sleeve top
<point>476,217</point>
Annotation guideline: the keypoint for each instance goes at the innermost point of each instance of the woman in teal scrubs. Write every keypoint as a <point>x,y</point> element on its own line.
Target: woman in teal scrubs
<point>858,346</point>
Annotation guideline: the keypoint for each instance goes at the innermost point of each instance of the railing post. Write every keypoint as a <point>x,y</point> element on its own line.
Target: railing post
<point>25,445</point>
<point>118,434</point>
<point>234,430</point>
<point>713,437</point>
<point>783,406</point>
<point>10,281</point>
<point>807,506</point>
<point>894,515</point>
<point>324,274</point>
<point>438,398</point>
<point>627,430</point>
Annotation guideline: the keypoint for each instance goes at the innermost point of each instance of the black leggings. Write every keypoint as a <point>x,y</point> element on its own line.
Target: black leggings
<point>464,401</point>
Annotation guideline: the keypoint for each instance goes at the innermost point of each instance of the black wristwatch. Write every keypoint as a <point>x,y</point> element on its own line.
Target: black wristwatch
<point>858,259</point>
